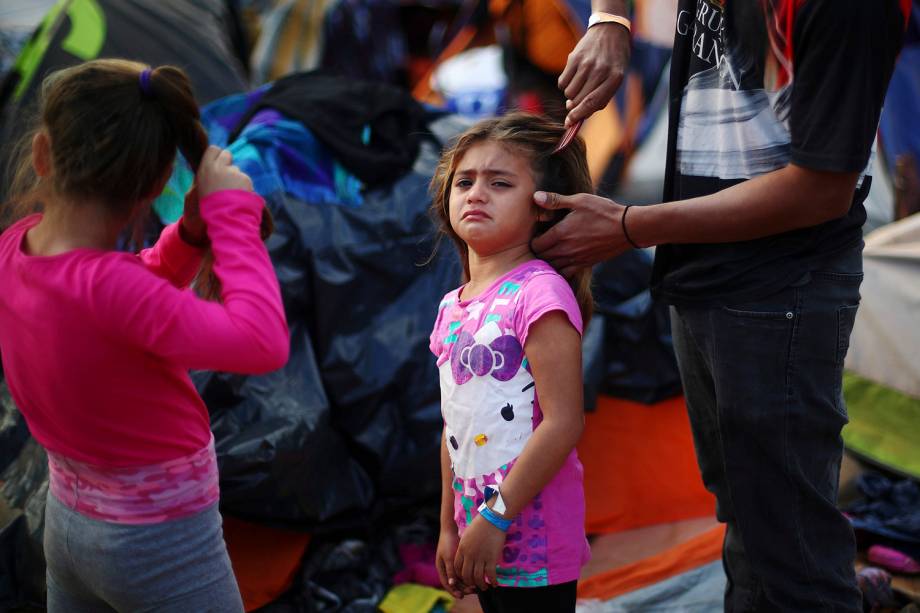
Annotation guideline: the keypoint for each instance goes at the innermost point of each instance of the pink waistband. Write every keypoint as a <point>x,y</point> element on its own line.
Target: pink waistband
<point>137,494</point>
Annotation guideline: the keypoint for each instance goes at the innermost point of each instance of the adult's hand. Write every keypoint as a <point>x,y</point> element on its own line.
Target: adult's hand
<point>594,70</point>
<point>591,233</point>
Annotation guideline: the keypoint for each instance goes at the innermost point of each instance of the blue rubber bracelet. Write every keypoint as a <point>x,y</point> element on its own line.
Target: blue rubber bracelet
<point>494,518</point>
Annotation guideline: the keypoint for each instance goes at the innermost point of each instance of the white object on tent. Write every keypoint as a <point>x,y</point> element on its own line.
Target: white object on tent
<point>472,83</point>
<point>643,181</point>
<point>880,201</point>
<point>643,177</point>
<point>885,344</point>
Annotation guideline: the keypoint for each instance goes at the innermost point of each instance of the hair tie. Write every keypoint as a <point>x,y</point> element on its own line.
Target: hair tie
<point>146,89</point>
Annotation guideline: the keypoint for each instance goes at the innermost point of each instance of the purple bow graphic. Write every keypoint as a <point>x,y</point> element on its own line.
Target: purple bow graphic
<point>501,358</point>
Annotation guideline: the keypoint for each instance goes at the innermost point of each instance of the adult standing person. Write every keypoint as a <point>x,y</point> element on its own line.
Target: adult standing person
<point>774,108</point>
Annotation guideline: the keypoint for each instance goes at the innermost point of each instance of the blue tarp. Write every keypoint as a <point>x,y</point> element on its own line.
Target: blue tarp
<point>900,123</point>
<point>700,590</point>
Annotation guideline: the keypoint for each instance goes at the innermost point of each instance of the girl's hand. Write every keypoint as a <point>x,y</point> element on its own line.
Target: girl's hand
<point>217,173</point>
<point>191,226</point>
<point>444,561</point>
<point>478,553</point>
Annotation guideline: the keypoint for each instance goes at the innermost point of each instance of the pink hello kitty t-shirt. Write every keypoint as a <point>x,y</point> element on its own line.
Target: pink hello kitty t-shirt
<point>490,411</point>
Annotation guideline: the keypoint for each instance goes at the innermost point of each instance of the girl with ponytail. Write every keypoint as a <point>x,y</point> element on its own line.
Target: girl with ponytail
<point>96,344</point>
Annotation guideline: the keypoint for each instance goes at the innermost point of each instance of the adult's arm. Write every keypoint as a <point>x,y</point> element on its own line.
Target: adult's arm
<point>846,51</point>
<point>787,199</point>
<point>595,68</point>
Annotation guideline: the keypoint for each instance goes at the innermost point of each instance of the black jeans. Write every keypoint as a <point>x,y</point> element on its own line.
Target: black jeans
<point>550,599</point>
<point>763,388</point>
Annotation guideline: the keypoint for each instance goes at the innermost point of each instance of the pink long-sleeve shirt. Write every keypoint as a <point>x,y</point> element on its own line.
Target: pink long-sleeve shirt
<point>97,345</point>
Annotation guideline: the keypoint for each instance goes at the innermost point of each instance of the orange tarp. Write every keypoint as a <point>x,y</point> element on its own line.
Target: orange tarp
<point>640,466</point>
<point>550,28</point>
<point>640,470</point>
<point>694,553</point>
<point>264,559</point>
<point>604,134</point>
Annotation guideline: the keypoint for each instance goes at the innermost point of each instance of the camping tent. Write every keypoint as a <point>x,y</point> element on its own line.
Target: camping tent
<point>883,386</point>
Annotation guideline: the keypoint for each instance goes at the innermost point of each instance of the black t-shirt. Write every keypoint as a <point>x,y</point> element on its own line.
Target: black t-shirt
<point>756,85</point>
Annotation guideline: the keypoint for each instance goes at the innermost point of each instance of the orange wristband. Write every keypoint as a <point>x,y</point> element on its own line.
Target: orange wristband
<point>600,17</point>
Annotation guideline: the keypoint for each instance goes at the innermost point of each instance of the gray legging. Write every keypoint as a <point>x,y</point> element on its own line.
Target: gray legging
<point>175,566</point>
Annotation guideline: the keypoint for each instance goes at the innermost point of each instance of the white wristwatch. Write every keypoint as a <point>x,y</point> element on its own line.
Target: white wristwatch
<point>493,491</point>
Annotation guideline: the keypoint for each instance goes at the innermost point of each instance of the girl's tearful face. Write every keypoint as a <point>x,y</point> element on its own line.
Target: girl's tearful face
<point>491,198</point>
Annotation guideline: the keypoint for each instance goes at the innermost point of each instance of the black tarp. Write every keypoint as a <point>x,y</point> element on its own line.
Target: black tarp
<point>628,351</point>
<point>889,513</point>
<point>350,428</point>
<point>23,487</point>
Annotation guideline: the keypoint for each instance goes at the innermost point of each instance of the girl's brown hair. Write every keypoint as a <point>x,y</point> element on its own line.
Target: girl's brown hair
<point>112,141</point>
<point>565,172</point>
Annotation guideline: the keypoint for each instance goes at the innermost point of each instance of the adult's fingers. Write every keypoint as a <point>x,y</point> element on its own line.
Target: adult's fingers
<point>544,244</point>
<point>571,68</point>
<point>587,107</point>
<point>562,261</point>
<point>595,84</point>
<point>580,112</point>
<point>559,255</point>
<point>594,101</point>
<point>568,272</point>
<point>577,83</point>
<point>553,201</point>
